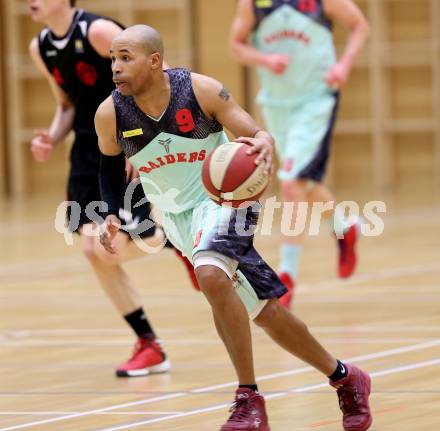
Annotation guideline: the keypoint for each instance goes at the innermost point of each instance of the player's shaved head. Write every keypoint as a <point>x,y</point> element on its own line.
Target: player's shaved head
<point>144,37</point>
<point>137,60</point>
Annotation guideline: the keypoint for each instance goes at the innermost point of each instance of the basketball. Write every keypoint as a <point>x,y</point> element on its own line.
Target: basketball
<point>231,176</point>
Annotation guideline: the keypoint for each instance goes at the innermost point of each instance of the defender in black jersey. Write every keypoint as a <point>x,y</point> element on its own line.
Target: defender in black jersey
<point>164,121</point>
<point>72,52</point>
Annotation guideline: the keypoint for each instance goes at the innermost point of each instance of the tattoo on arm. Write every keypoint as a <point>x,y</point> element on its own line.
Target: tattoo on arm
<point>224,94</point>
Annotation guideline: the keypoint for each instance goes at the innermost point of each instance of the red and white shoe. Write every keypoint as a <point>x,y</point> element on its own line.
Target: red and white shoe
<point>347,252</point>
<point>248,412</point>
<point>148,358</point>
<point>353,392</point>
<point>289,283</point>
<point>189,269</point>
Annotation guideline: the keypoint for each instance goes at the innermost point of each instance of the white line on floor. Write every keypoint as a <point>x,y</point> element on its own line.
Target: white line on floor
<point>384,274</point>
<point>201,342</point>
<point>99,332</point>
<point>362,358</point>
<point>146,413</point>
<point>271,396</point>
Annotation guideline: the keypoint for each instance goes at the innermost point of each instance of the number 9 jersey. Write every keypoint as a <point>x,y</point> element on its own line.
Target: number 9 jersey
<point>169,151</point>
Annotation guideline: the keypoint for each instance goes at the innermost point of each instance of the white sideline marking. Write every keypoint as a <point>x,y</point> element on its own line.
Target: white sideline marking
<point>76,413</point>
<point>384,274</point>
<point>96,411</point>
<point>72,264</point>
<point>361,358</point>
<point>25,333</point>
<point>276,395</point>
<point>190,342</point>
<point>190,413</point>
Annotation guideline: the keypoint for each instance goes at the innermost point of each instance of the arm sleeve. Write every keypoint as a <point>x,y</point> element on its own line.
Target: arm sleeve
<point>112,181</point>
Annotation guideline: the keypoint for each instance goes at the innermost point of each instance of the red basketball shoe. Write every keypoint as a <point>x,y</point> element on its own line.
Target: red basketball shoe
<point>347,252</point>
<point>189,269</point>
<point>353,392</point>
<point>148,358</point>
<point>248,412</point>
<point>289,283</point>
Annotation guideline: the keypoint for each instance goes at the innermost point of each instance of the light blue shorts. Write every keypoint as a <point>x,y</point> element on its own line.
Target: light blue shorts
<point>303,136</point>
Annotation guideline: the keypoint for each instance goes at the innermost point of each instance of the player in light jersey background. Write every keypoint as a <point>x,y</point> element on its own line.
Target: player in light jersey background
<point>291,44</point>
<point>165,122</point>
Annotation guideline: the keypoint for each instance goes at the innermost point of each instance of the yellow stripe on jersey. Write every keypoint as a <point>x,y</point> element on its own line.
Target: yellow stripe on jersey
<point>130,133</point>
<point>263,3</point>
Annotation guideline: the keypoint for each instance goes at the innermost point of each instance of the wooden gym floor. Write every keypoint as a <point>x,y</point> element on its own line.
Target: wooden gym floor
<point>60,338</point>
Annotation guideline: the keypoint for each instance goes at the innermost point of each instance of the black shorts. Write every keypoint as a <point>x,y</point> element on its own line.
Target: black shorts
<point>84,195</point>
<point>258,273</point>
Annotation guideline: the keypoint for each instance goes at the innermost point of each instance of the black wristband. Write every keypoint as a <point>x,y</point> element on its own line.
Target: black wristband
<point>112,181</point>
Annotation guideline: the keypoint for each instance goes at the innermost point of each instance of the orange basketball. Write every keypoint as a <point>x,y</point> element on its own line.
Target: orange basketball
<point>231,176</point>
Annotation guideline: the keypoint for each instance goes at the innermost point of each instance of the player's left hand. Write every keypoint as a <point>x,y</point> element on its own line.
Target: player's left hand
<point>265,150</point>
<point>108,233</point>
<point>42,145</point>
<point>337,76</point>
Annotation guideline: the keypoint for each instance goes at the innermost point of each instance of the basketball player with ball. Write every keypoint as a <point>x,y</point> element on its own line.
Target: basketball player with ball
<point>166,123</point>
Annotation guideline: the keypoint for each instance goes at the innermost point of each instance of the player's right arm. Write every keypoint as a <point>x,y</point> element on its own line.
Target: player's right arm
<point>216,102</point>
<point>111,171</point>
<point>243,51</point>
<point>347,13</point>
<point>62,122</point>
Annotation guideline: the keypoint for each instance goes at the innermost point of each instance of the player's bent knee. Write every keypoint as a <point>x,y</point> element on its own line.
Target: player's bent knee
<point>268,314</point>
<point>120,244</point>
<point>88,249</point>
<point>210,278</point>
<point>104,256</point>
<point>108,258</point>
<point>294,191</point>
<point>213,270</point>
<point>89,253</point>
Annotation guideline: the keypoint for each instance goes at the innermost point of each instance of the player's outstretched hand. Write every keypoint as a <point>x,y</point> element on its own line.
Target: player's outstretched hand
<point>265,150</point>
<point>41,145</point>
<point>109,230</point>
<point>276,63</point>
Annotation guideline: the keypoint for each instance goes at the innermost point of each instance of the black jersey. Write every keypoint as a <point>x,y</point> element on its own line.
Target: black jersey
<point>78,69</point>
